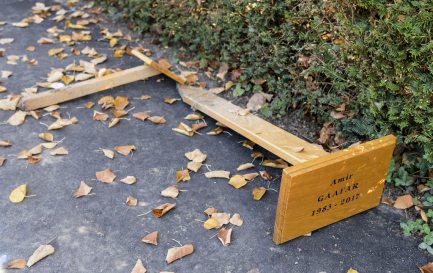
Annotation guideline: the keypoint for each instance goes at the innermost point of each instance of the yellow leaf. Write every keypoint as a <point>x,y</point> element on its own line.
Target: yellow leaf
<point>258,193</point>
<point>113,42</point>
<point>237,181</point>
<point>351,270</point>
<point>18,194</point>
<point>182,175</point>
<point>211,223</point>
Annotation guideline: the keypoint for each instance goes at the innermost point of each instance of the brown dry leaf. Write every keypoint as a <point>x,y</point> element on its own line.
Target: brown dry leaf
<point>45,40</point>
<point>210,211</point>
<point>139,267</point>
<point>404,202</point>
<point>237,181</point>
<point>216,131</point>
<point>420,188</point>
<point>118,113</point>
<point>120,102</point>
<point>248,144</point>
<point>106,100</point>
<point>60,123</point>
<point>162,209</point>
<point>278,163</point>
<point>131,201</point>
<point>222,71</point>
<point>194,116</point>
<point>427,268</point>
<point>211,223</point>
<point>125,150</point>
<point>2,160</point>
<point>171,191</point>
<point>108,153</point>
<point>388,201</point>
<point>218,174</point>
<point>5,143</point>
<point>34,159</point>
<point>17,264</point>
<point>113,42</point>
<point>17,119</point>
<point>176,253</point>
<point>337,115</point>
<point>194,166</point>
<point>197,126</point>
<point>222,218</point>
<point>157,119</point>
<point>99,116</point>
<point>145,97</point>
<point>46,136</point>
<point>250,176</point>
<point>113,122</point>
<point>258,193</point>
<point>59,151</point>
<point>55,51</point>
<point>196,156</point>
<point>36,150</point>
<point>82,190</point>
<point>236,220</point>
<point>325,133</point>
<point>182,175</point>
<point>106,176</point>
<point>141,116</point>
<point>184,129</point>
<point>169,100</point>
<point>41,252</point>
<point>151,238</point>
<point>265,175</point>
<point>257,101</point>
<point>245,166</point>
<point>129,180</point>
<point>224,235</point>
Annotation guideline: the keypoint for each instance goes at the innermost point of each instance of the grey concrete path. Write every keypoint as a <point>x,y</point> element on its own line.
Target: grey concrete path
<point>99,233</point>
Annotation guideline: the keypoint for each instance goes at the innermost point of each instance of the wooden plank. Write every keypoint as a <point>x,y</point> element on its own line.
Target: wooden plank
<point>265,134</point>
<point>88,87</point>
<point>328,189</point>
<point>158,67</point>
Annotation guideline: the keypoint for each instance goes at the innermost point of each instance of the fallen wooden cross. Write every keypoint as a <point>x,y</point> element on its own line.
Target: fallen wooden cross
<point>319,189</point>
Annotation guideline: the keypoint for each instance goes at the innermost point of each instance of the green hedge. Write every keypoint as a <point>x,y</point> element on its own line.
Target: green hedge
<point>373,56</point>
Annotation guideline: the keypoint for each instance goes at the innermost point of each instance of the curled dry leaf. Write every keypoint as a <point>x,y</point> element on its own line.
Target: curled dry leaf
<point>36,150</point>
<point>113,122</point>
<point>5,143</point>
<point>194,116</point>
<point>51,108</point>
<point>175,253</point>
<point>224,235</point>
<point>99,116</point>
<point>237,181</point>
<point>157,119</point>
<point>184,129</point>
<point>139,267</point>
<point>194,166</point>
<point>125,150</point>
<point>427,268</point>
<point>197,126</point>
<point>216,131</point>
<point>89,104</point>
<point>17,118</point>
<point>46,136</point>
<point>211,223</point>
<point>387,200</point>
<point>108,153</point>
<point>17,264</point>
<point>141,116</point>
<point>41,252</point>
<point>131,201</point>
<point>145,97</point>
<point>120,102</point>
<point>82,190</point>
<point>106,176</point>
<point>151,238</point>
<point>210,211</point>
<point>171,191</point>
<point>60,123</point>
<point>59,151</point>
<point>236,220</point>
<point>278,163</point>
<point>245,166</point>
<point>250,176</point>
<point>218,174</point>
<point>196,156</point>
<point>404,202</point>
<point>222,218</point>
<point>182,175</point>
<point>265,175</point>
<point>129,180</point>
<point>49,145</point>
<point>248,144</point>
<point>18,194</point>
<point>2,160</point>
<point>162,209</point>
<point>169,100</point>
<point>258,193</point>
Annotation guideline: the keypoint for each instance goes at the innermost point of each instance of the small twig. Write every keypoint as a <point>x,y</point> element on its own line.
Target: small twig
<point>55,237</point>
<point>46,125</point>
<point>198,220</point>
<point>228,133</point>
<point>31,195</point>
<point>144,213</point>
<point>177,242</point>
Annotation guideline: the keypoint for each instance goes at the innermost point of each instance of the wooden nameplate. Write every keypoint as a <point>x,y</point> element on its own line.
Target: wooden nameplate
<point>331,188</point>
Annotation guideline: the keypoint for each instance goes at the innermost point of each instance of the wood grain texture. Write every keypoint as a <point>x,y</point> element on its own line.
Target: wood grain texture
<point>88,87</point>
<point>158,67</point>
<point>263,133</point>
<point>328,189</point>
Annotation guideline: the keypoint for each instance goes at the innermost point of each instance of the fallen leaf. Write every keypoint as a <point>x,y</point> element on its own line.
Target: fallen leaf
<point>49,145</point>
<point>196,156</point>
<point>210,211</point>
<point>106,176</point>
<point>59,151</point>
<point>125,150</point>
<point>118,53</point>
<point>171,191</point>
<point>36,150</point>
<point>222,71</point>
<point>162,209</point>
<point>17,264</point>
<point>118,113</point>
<point>265,175</point>
<point>337,115</point>
<point>297,149</point>
<point>216,131</point>
<point>4,41</point>
<point>83,76</point>
<point>388,201</point>
<point>237,181</point>
<point>151,238</point>
<point>184,129</point>
<point>82,190</point>
<point>17,119</point>
<point>248,144</point>
<point>169,100</point>
<point>403,202</point>
<point>197,126</point>
<point>194,116</point>
<point>55,51</point>
<point>211,223</point>
<point>182,175</point>
<point>40,253</point>
<point>120,102</point>
<point>157,119</point>
<point>46,136</point>
<point>2,160</point>
<point>250,176</point>
<point>427,268</point>
<point>257,101</point>
<point>176,253</point>
<point>113,122</point>
<point>141,116</point>
<point>222,218</point>
<point>131,201</point>
<point>113,42</point>
<point>224,235</point>
<point>278,163</point>
<point>10,102</point>
<point>194,166</point>
<point>129,180</point>
<point>218,174</point>
<point>139,267</point>
<point>245,166</point>
<point>258,193</point>
<point>145,97</point>
<point>236,220</point>
<point>351,270</point>
<point>34,159</point>
<point>6,74</point>
<point>99,116</point>
<point>5,143</point>
<point>108,153</point>
<point>18,194</point>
